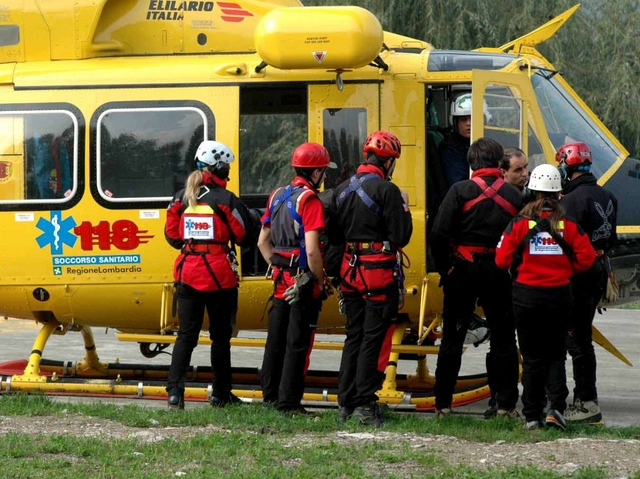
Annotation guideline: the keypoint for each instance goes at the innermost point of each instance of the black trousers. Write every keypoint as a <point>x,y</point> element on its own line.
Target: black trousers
<point>542,332</point>
<point>221,306</point>
<point>289,341</point>
<point>361,366</point>
<point>482,283</point>
<point>588,288</point>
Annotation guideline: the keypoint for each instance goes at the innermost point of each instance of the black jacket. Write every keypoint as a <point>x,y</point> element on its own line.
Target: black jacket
<point>482,225</point>
<point>358,222</point>
<point>593,208</point>
<point>453,154</point>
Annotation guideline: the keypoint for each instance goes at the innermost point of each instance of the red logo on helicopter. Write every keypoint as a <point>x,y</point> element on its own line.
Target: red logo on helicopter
<point>232,12</point>
<point>123,234</point>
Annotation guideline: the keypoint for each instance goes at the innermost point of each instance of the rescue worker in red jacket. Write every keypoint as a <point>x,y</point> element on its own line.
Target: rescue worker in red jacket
<point>595,209</point>
<point>202,220</point>
<point>543,249</point>
<point>466,231</point>
<point>290,242</point>
<point>373,216</point>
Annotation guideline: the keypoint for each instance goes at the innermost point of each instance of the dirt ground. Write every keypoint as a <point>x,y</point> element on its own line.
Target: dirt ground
<point>618,458</point>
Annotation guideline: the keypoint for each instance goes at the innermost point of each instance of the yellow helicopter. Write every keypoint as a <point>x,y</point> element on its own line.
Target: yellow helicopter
<point>103,103</point>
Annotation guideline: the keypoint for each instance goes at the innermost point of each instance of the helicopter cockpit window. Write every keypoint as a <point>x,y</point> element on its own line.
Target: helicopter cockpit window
<point>146,154</point>
<point>344,133</point>
<point>566,121</point>
<point>38,157</point>
<point>456,61</point>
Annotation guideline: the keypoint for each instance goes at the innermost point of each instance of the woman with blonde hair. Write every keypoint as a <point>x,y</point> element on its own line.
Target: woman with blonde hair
<point>542,249</point>
<point>205,221</point>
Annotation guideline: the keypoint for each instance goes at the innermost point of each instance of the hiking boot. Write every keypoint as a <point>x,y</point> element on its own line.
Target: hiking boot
<point>175,399</point>
<point>586,412</point>
<point>492,409</point>
<point>491,412</point>
<point>442,413</point>
<point>221,401</point>
<point>369,415</point>
<point>533,425</point>
<point>510,414</point>
<point>556,420</point>
<point>344,413</point>
<point>295,411</point>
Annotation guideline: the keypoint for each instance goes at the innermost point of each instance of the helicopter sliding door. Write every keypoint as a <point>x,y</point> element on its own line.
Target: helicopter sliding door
<point>341,121</point>
<point>505,108</point>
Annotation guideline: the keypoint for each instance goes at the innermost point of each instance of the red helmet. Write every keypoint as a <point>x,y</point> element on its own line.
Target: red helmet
<point>383,144</point>
<point>311,155</point>
<point>574,154</point>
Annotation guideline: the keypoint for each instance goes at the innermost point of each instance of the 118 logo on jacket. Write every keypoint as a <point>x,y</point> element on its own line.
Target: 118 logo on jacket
<point>123,235</point>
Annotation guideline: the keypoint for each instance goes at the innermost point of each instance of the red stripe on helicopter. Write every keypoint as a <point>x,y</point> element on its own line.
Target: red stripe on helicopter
<point>233,12</point>
<point>242,13</point>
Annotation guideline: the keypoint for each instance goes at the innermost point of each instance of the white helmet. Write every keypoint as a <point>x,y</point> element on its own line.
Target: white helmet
<point>213,153</point>
<point>461,106</point>
<point>545,178</point>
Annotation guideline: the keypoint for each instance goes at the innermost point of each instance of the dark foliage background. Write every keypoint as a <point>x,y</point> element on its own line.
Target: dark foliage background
<point>598,50</point>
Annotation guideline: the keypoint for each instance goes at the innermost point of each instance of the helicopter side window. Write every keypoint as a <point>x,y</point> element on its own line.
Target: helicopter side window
<point>503,117</point>
<point>9,35</point>
<point>344,133</point>
<point>38,157</point>
<point>146,153</point>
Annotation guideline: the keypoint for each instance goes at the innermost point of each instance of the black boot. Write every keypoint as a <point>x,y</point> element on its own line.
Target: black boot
<point>369,415</point>
<point>222,401</point>
<point>175,399</point>
<point>344,413</point>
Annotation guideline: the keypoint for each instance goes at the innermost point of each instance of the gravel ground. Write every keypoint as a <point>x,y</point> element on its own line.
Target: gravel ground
<point>618,458</point>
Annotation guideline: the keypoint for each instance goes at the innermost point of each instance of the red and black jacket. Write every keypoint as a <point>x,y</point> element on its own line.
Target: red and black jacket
<point>464,220</point>
<point>203,235</point>
<point>544,263</point>
<point>374,222</point>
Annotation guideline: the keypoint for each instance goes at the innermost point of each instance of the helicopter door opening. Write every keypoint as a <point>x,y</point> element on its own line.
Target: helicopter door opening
<point>505,109</point>
<point>273,122</point>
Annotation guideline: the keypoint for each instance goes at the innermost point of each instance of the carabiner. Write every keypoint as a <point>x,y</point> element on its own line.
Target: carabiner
<point>353,261</point>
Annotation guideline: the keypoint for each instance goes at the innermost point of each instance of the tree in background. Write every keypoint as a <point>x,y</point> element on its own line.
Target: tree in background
<point>598,50</point>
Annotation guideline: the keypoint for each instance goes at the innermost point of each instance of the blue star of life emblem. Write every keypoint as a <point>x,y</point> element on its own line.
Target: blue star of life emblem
<point>56,232</point>
<point>189,224</point>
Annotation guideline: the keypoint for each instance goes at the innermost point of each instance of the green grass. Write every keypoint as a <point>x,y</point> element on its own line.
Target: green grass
<point>259,442</point>
<point>254,417</point>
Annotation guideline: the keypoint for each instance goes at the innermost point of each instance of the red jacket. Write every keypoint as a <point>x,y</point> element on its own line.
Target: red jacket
<point>203,236</point>
<point>544,264</point>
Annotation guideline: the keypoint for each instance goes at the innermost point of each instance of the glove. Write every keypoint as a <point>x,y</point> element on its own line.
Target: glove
<point>303,283</point>
<point>292,293</point>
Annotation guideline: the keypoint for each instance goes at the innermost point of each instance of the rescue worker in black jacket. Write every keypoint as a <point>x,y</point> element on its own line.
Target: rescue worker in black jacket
<point>290,242</point>
<point>467,229</point>
<point>595,210</point>
<point>373,215</point>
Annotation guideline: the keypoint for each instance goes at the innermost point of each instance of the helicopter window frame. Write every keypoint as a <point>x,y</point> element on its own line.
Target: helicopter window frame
<point>154,107</point>
<point>76,191</point>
